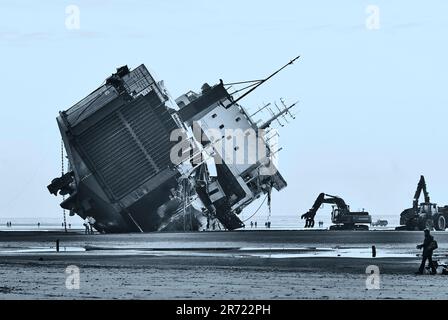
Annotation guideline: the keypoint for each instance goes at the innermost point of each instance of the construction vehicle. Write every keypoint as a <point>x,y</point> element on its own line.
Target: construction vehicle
<point>341,216</point>
<point>426,215</point>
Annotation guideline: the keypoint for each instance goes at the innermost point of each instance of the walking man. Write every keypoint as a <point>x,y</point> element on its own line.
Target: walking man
<point>91,222</point>
<point>86,226</point>
<point>428,246</point>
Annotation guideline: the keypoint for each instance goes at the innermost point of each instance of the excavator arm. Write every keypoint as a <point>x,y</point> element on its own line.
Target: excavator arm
<point>421,187</point>
<point>322,199</point>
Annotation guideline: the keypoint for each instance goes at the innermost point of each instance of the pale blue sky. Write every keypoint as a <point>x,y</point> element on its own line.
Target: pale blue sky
<point>373,103</point>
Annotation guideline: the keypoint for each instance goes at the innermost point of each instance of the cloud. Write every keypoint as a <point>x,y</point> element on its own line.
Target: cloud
<point>407,25</point>
<point>88,34</point>
<point>23,38</point>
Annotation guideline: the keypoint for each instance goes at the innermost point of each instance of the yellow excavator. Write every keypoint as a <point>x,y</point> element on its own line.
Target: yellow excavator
<point>341,216</point>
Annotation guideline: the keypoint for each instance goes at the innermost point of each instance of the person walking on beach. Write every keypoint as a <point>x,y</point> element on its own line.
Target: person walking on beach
<point>86,226</point>
<point>92,222</point>
<point>428,246</point>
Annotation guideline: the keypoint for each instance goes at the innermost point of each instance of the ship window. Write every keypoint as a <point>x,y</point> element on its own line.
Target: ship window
<point>221,127</point>
<point>238,119</point>
<point>214,115</point>
<point>213,192</point>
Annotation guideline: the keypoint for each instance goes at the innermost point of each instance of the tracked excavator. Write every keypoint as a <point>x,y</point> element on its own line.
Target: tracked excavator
<point>341,216</point>
<point>426,215</point>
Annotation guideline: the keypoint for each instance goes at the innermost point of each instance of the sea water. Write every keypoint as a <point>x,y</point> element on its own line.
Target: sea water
<point>278,222</point>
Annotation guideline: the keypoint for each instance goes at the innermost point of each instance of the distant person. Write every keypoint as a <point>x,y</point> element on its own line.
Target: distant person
<point>251,224</point>
<point>38,225</point>
<point>86,226</point>
<point>255,224</point>
<point>269,224</point>
<point>69,225</point>
<point>92,222</point>
<point>428,246</point>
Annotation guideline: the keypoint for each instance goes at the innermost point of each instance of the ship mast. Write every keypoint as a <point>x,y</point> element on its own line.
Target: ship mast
<point>255,84</point>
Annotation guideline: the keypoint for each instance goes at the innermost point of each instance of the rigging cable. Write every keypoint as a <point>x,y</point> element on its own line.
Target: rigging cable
<point>242,82</point>
<point>256,210</point>
<point>62,174</point>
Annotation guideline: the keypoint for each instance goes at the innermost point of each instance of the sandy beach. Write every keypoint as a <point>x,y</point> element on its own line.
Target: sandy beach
<point>218,265</point>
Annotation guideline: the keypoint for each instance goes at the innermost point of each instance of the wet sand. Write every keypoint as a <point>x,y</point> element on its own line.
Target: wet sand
<point>220,265</point>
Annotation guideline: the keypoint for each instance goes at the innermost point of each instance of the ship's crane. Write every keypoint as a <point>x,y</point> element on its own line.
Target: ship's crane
<point>341,215</point>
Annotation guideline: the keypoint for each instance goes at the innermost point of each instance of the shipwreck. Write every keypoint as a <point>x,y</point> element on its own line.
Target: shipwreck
<point>139,161</point>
